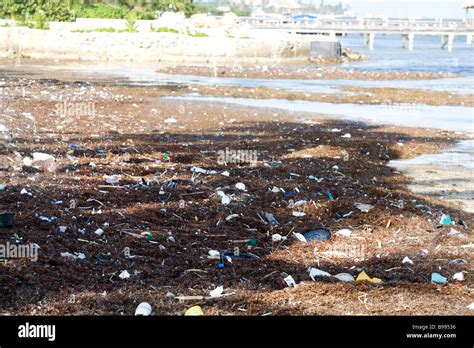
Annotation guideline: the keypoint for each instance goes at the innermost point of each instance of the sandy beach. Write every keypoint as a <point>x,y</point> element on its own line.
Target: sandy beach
<point>127,168</point>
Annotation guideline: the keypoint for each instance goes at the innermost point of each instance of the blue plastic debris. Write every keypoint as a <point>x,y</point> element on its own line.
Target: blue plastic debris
<point>241,256</point>
<point>331,198</point>
<point>438,278</point>
<point>445,220</point>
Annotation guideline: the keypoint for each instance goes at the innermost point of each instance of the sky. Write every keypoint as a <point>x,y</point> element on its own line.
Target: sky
<point>405,8</point>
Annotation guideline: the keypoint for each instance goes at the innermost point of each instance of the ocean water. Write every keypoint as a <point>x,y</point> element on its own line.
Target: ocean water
<point>427,56</point>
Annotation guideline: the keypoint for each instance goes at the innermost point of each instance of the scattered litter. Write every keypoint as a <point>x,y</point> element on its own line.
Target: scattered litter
<point>202,171</point>
<point>330,196</point>
<point>231,217</point>
<point>225,173</point>
<point>217,291</point>
<point>3,187</point>
<point>363,277</point>
<point>79,256</point>
<point>240,186</point>
<point>344,233</point>
<point>277,237</point>
<point>445,220</point>
<point>275,189</point>
<point>242,256</point>
<point>270,218</point>
<point>314,272</point>
<point>347,135</point>
<point>214,254</point>
<point>458,262</point>
<point>471,306</point>
<point>290,281</point>
<point>438,278</point>
<point>321,234</point>
<point>298,213</point>
<point>300,237</point>
<point>459,276</point>
<point>112,180</point>
<point>194,311</point>
<point>344,277</point>
<point>224,198</point>
<point>365,208</point>
<point>406,259</point>
<point>144,309</point>
<point>62,229</point>
<point>124,275</point>
<point>99,232</point>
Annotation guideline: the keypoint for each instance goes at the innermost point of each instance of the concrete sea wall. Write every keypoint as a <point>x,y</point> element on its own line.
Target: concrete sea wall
<point>150,47</point>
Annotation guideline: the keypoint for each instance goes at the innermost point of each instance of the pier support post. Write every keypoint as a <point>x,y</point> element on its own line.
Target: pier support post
<point>411,41</point>
<point>404,40</point>
<point>371,41</point>
<point>443,41</point>
<point>469,39</point>
<point>450,42</point>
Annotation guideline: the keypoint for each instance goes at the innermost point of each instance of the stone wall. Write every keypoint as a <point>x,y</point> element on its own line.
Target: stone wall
<point>148,47</point>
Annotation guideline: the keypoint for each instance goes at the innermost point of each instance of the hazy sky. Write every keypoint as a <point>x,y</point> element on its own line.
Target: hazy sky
<point>406,8</point>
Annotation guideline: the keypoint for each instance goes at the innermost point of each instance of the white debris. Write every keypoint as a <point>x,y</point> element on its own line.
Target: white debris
<point>231,216</point>
<point>275,189</point>
<point>224,198</point>
<point>240,186</point>
<point>202,171</point>
<point>41,157</point>
<point>75,256</point>
<point>144,309</point>
<point>225,173</point>
<point>471,306</point>
<point>365,208</point>
<point>347,135</point>
<point>407,260</point>
<point>344,277</point>
<point>314,272</point>
<point>124,275</point>
<point>214,254</point>
<point>344,232</point>
<point>290,281</point>
<point>3,187</point>
<point>300,237</point>
<point>62,229</point>
<point>111,179</point>
<point>171,120</point>
<point>459,276</point>
<point>300,203</point>
<point>99,232</point>
<point>277,237</point>
<point>217,292</point>
<point>298,213</point>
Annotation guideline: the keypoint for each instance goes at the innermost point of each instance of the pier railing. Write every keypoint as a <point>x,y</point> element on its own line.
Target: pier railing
<point>362,25</point>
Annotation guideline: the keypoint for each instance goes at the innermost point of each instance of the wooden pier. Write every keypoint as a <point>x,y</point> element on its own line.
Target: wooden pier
<point>369,28</point>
